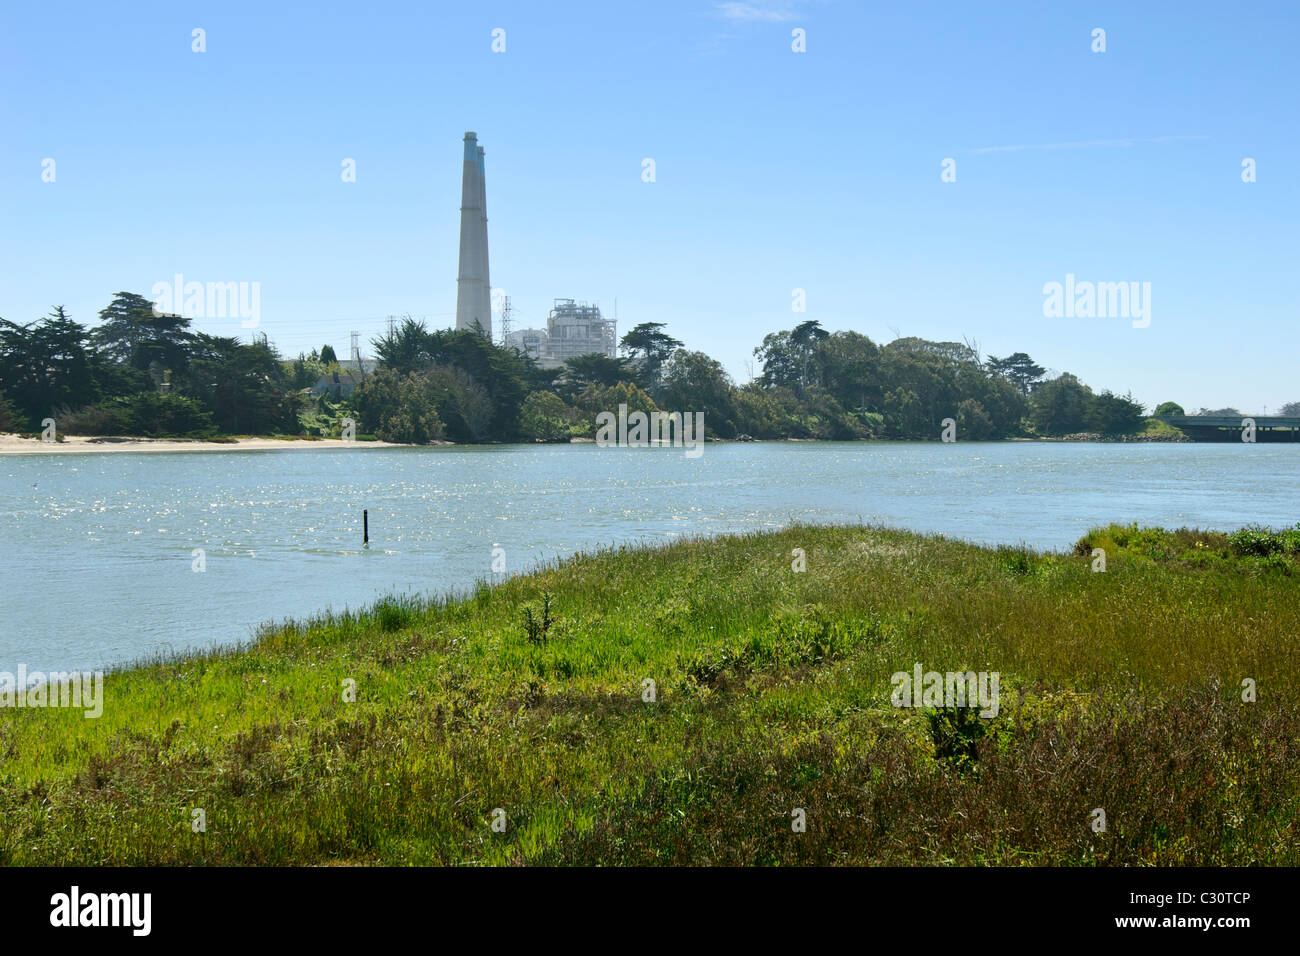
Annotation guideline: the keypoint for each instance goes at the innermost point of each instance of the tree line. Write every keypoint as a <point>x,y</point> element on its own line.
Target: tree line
<point>139,372</point>
<point>455,385</point>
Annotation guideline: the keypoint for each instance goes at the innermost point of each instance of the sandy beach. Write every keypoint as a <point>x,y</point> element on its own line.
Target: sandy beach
<point>11,444</point>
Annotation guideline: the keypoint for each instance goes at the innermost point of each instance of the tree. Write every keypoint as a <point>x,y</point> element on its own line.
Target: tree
<point>594,369</point>
<point>931,377</point>
<point>502,376</point>
<point>999,399</point>
<point>1059,406</point>
<point>1112,414</point>
<point>307,370</point>
<point>407,348</point>
<point>693,382</point>
<point>158,413</point>
<point>769,412</point>
<point>544,417</point>
<point>607,398</point>
<point>904,416</point>
<point>245,387</point>
<point>804,337</point>
<point>780,361</point>
<point>8,419</point>
<point>1168,408</point>
<point>132,332</point>
<point>973,423</point>
<point>462,402</point>
<point>327,355</point>
<point>400,407</point>
<point>649,347</point>
<point>850,364</point>
<point>44,365</point>
<point>1018,369</point>
<point>826,419</point>
<point>952,351</point>
<point>1290,409</point>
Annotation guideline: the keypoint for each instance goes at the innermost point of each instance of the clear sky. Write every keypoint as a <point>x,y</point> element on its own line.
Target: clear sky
<point>774,170</point>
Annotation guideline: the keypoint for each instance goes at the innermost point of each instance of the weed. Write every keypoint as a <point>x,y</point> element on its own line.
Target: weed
<point>537,624</point>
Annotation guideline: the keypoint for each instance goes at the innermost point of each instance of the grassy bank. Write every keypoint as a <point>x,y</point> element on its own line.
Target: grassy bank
<point>1119,690</point>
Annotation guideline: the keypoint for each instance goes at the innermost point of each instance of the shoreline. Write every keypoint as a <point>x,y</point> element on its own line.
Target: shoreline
<point>11,444</point>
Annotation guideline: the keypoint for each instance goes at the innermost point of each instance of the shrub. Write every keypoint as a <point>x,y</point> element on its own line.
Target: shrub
<point>149,413</point>
<point>607,398</point>
<point>399,408</point>
<point>544,417</point>
<point>1262,543</point>
<point>1257,542</point>
<point>93,420</point>
<point>973,422</point>
<point>956,732</point>
<point>156,413</point>
<point>537,624</point>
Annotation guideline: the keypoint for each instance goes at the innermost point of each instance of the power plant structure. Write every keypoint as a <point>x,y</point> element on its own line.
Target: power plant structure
<point>572,328</point>
<point>473,289</point>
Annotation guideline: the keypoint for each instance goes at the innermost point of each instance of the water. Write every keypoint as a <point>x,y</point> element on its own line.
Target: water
<point>96,559</point>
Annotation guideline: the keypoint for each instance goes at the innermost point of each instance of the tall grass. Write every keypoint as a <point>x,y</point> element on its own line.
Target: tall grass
<point>1120,690</point>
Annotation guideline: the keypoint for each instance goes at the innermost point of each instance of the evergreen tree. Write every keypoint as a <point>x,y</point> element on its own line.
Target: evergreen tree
<point>132,332</point>
<point>650,347</point>
<point>1017,368</point>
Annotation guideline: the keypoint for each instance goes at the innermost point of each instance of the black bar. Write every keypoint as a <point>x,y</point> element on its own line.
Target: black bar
<point>935,906</point>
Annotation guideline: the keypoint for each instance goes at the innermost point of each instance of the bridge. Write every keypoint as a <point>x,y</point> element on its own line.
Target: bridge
<point>1268,428</point>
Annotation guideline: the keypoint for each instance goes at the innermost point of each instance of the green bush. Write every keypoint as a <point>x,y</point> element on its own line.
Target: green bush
<point>94,420</point>
<point>544,417</point>
<point>537,622</point>
<point>401,408</point>
<point>1261,542</point>
<point>153,414</point>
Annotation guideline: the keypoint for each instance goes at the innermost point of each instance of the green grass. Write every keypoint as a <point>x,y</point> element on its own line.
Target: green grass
<point>1159,428</point>
<point>1119,690</point>
<point>1251,550</point>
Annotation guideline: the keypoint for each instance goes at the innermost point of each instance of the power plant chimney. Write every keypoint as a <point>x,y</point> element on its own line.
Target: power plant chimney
<point>473,290</point>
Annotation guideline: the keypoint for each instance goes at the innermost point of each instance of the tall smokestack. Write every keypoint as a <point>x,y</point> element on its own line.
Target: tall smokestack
<point>473,289</point>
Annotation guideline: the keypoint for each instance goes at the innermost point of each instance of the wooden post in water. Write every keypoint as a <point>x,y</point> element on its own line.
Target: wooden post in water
<point>365,527</point>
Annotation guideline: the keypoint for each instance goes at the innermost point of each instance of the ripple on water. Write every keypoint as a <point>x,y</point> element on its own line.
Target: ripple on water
<point>282,536</point>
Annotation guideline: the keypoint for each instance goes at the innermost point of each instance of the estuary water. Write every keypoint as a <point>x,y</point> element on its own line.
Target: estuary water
<point>98,551</point>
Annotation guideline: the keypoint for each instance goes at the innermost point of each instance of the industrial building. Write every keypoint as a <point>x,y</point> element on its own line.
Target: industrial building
<point>572,329</point>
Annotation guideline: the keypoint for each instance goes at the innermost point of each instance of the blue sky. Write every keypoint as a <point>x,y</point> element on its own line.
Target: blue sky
<point>775,170</point>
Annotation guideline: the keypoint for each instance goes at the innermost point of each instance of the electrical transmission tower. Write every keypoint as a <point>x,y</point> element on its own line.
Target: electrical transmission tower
<point>506,313</point>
